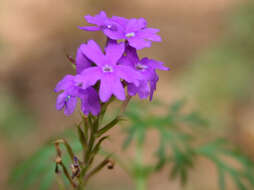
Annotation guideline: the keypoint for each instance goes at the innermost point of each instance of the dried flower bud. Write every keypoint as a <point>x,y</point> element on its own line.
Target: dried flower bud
<point>58,160</point>
<point>111,164</point>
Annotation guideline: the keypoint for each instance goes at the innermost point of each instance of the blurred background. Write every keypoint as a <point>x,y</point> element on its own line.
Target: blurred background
<point>209,46</point>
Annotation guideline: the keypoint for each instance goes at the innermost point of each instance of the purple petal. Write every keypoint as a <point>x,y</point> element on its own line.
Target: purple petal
<point>132,55</point>
<point>111,85</point>
<point>88,77</point>
<point>106,91</point>
<point>126,62</point>
<point>149,34</point>
<point>153,85</point>
<point>122,21</point>
<point>114,51</point>
<point>70,106</point>
<point>118,89</point>
<point>90,102</point>
<point>93,52</point>
<point>81,61</point>
<point>115,35</point>
<point>135,25</point>
<point>98,19</point>
<point>65,83</point>
<point>60,101</point>
<point>143,90</point>
<point>154,64</point>
<point>138,43</point>
<point>128,74</point>
<point>90,28</point>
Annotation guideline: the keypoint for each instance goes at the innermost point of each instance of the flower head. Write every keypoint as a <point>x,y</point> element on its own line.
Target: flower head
<point>147,69</point>
<point>67,100</point>
<point>99,75</point>
<point>133,30</point>
<point>107,71</point>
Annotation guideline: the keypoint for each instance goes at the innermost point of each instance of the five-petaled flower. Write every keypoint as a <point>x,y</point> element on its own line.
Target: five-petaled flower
<point>133,30</point>
<point>146,67</point>
<point>107,70</point>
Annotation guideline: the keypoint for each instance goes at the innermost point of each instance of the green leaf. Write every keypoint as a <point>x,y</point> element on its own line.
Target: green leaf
<point>109,126</point>
<point>82,137</point>
<point>97,148</point>
<point>38,169</point>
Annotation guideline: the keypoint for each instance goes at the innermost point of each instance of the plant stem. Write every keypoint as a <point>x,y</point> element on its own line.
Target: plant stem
<point>141,183</point>
<point>141,177</point>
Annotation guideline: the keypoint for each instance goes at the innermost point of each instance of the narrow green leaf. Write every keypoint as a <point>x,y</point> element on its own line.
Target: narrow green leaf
<point>82,137</point>
<point>97,148</point>
<point>108,126</point>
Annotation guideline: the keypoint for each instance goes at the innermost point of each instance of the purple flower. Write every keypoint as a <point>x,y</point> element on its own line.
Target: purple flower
<point>107,70</point>
<point>133,30</point>
<point>147,68</point>
<point>102,22</point>
<point>67,100</point>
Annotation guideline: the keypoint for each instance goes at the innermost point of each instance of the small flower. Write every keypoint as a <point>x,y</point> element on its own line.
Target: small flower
<point>133,30</point>
<point>147,68</point>
<point>67,100</point>
<point>107,70</point>
<point>102,22</point>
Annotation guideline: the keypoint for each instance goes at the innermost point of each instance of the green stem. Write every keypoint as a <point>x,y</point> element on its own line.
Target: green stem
<point>141,177</point>
<point>141,184</point>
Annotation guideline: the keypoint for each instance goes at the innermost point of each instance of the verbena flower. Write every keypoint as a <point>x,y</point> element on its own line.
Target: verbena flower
<point>133,30</point>
<point>147,68</point>
<point>107,70</point>
<point>101,22</point>
<point>67,100</point>
<point>100,75</point>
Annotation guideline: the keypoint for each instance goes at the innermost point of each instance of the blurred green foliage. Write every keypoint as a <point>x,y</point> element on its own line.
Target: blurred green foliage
<point>221,79</point>
<point>15,119</point>
<point>183,138</point>
<point>38,170</point>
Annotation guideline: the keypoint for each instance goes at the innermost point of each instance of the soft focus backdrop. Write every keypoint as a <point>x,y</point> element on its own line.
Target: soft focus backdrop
<point>207,44</point>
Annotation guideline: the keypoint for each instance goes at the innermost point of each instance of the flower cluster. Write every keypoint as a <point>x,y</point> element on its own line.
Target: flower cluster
<point>102,74</point>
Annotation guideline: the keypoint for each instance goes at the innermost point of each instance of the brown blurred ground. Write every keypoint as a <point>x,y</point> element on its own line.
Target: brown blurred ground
<point>36,34</point>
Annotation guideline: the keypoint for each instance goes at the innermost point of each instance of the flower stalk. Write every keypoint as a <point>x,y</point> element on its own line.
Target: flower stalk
<point>103,76</point>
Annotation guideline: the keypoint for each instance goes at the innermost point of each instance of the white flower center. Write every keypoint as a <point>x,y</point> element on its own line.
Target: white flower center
<point>130,34</point>
<point>107,68</point>
<point>141,67</point>
<point>67,98</point>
